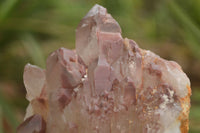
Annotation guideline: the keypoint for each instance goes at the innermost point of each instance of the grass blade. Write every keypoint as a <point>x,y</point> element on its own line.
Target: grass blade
<point>34,50</point>
<point>6,7</point>
<point>7,111</point>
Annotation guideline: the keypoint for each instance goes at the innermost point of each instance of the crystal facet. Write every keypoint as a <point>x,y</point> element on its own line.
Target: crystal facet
<point>108,85</point>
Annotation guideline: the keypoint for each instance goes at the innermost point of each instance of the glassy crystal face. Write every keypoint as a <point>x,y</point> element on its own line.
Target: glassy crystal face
<point>107,85</point>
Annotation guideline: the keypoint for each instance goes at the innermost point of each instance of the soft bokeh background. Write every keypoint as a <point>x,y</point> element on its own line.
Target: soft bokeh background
<point>31,29</point>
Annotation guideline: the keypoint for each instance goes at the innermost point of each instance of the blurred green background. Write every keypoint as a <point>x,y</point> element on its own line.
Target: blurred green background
<point>31,29</point>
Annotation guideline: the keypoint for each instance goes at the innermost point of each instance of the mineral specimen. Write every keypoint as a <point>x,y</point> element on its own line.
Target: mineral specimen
<point>108,85</point>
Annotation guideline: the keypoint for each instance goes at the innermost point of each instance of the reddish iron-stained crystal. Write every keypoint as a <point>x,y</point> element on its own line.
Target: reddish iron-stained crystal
<point>107,85</point>
<point>33,124</point>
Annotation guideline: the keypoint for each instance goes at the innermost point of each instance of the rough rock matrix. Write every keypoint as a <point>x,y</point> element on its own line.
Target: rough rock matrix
<point>107,85</point>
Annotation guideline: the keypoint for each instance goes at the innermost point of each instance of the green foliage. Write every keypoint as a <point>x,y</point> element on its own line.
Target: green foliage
<point>7,112</point>
<point>33,49</point>
<point>194,112</point>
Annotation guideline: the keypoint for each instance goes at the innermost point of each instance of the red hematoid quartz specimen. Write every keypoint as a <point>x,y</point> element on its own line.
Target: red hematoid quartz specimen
<point>107,85</point>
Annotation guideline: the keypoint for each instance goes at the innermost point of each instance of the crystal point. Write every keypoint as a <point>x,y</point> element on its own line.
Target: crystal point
<point>33,124</point>
<point>107,85</point>
<point>96,22</point>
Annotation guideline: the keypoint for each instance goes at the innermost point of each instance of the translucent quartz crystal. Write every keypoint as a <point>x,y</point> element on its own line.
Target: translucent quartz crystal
<point>108,85</point>
<point>34,124</point>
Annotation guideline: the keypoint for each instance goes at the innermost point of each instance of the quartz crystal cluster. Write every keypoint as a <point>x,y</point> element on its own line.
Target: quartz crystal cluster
<point>107,85</point>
